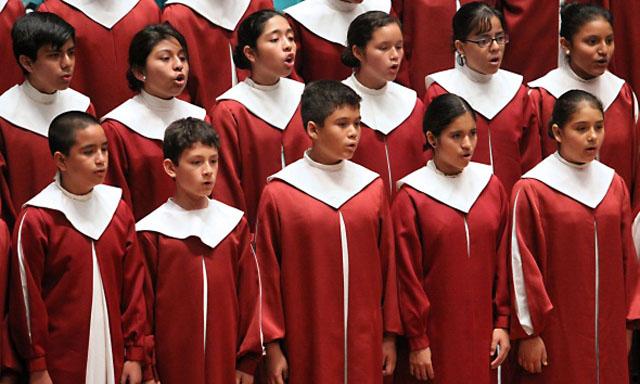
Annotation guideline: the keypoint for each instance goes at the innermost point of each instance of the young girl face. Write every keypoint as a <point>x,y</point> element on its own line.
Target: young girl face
<point>382,56</point>
<point>484,51</point>
<point>590,49</point>
<point>581,137</point>
<point>454,147</point>
<point>275,51</point>
<point>166,69</point>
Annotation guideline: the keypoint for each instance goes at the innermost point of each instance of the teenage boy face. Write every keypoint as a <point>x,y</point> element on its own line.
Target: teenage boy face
<point>196,171</point>
<point>53,68</point>
<point>86,164</point>
<point>338,138</point>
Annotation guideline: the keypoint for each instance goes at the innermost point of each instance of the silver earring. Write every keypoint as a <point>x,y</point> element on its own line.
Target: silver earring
<point>460,59</point>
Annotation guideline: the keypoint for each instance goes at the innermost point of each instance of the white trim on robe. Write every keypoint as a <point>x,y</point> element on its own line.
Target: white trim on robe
<point>333,185</point>
<point>458,191</point>
<point>3,3</point>
<point>26,107</point>
<point>150,116</point>
<point>276,104</point>
<point>224,13</point>
<point>211,224</point>
<point>104,12</point>
<point>330,19</point>
<point>605,87</point>
<point>487,94</point>
<point>384,109</point>
<point>587,184</point>
<point>519,286</point>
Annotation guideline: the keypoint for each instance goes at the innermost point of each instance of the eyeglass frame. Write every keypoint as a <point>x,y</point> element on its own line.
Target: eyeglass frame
<point>490,41</point>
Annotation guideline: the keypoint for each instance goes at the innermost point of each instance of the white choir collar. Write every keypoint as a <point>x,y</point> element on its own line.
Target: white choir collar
<point>211,224</point>
<point>383,109</point>
<point>150,116</point>
<point>459,191</point>
<point>487,94</point>
<point>3,3</point>
<point>605,87</point>
<point>330,19</point>
<point>276,104</point>
<point>27,108</point>
<point>587,184</point>
<point>104,12</point>
<point>89,214</point>
<point>333,185</point>
<point>224,13</point>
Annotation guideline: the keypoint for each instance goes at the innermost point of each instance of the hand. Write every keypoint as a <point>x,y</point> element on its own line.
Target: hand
<point>629,340</point>
<point>40,377</point>
<point>500,338</point>
<point>243,378</point>
<point>532,354</point>
<point>420,365</point>
<point>131,373</point>
<point>389,356</point>
<point>277,368</point>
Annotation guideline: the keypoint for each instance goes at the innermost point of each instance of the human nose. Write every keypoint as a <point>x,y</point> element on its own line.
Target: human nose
<point>466,142</point>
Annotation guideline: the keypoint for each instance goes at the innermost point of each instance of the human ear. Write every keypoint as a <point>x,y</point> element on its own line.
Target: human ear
<point>557,133</point>
<point>169,168</point>
<point>138,73</point>
<point>566,46</point>
<point>431,139</point>
<point>357,53</point>
<point>250,54</point>
<point>60,161</point>
<point>459,47</point>
<point>312,130</point>
<point>26,63</point>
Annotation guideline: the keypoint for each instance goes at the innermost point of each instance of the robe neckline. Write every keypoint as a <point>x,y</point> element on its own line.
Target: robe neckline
<point>224,13</point>
<point>106,13</point>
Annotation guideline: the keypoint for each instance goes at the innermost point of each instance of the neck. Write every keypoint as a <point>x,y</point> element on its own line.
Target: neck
<point>321,158</point>
<point>40,87</point>
<point>73,187</point>
<point>155,94</point>
<point>579,72</point>
<point>445,168</point>
<point>264,79</point>
<point>190,202</point>
<point>369,81</point>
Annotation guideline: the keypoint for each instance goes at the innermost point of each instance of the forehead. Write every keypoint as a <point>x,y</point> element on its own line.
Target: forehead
<point>485,26</point>
<point>49,47</point>
<point>598,26</point>
<point>168,44</point>
<point>346,111</point>
<point>585,111</point>
<point>89,135</point>
<point>275,24</point>
<point>199,149</point>
<point>388,32</point>
<point>464,121</point>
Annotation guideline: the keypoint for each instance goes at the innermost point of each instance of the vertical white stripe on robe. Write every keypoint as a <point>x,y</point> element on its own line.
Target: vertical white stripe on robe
<point>205,303</point>
<point>23,279</point>
<point>522,303</point>
<point>345,282</point>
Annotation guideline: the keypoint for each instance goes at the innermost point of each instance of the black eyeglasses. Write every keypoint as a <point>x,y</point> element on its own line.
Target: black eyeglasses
<point>484,42</point>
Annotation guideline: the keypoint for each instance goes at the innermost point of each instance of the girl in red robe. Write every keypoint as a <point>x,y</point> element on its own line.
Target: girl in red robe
<point>391,114</point>
<point>450,219</point>
<point>508,138</point>
<point>259,119</point>
<point>587,41</point>
<point>573,264</point>
<point>158,71</point>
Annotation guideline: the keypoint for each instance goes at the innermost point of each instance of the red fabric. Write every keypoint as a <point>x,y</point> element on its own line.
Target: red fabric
<point>511,137</point>
<point>620,148</point>
<point>59,270</point>
<point>405,146</point>
<point>176,297</point>
<point>300,257</point>
<point>26,167</point>
<point>209,58</point>
<point>8,356</point>
<point>11,73</point>
<point>437,277</point>
<point>625,28</point>
<point>252,150</point>
<point>102,54</point>
<point>562,299</point>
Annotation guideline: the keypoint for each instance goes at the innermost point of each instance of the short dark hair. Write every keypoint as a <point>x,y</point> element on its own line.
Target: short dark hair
<point>142,44</point>
<point>442,111</point>
<point>321,98</point>
<point>568,104</point>
<point>361,31</point>
<point>62,130</point>
<point>249,31</point>
<point>574,16</point>
<point>38,29</point>
<point>474,16</point>
<point>184,133</point>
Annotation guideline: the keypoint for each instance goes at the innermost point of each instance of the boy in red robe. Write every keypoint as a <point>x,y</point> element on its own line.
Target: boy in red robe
<point>202,270</point>
<point>325,248</point>
<point>76,303</point>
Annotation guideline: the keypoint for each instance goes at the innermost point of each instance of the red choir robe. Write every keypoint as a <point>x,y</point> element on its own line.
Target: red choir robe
<point>620,148</point>
<point>508,137</point>
<point>451,246</point>
<point>625,27</point>
<point>76,299</point>
<point>210,29</point>
<point>25,166</point>
<point>261,131</point>
<point>320,30</point>
<point>391,141</point>
<point>8,358</point>
<point>135,131</point>
<point>325,248</point>
<point>578,305</point>
<point>204,276</point>
<point>10,11</point>
<point>104,30</point>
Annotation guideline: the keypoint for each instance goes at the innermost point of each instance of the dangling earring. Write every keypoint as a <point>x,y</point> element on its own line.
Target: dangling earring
<point>144,78</point>
<point>460,59</point>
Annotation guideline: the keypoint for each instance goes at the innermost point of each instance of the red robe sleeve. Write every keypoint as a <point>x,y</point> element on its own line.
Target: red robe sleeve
<point>631,265</point>
<point>8,358</point>
<point>501,296</point>
<point>7,212</point>
<point>414,302</point>
<point>29,324</point>
<point>390,307</point>
<point>530,151</point>
<point>148,242</point>
<point>532,304</point>
<point>118,161</point>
